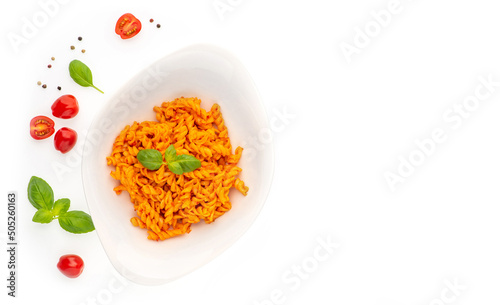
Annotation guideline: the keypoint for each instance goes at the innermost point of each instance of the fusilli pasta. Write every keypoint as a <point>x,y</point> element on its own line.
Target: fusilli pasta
<point>168,204</point>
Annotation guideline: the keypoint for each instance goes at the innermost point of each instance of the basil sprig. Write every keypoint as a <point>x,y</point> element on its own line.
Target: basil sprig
<point>81,74</point>
<point>41,196</point>
<point>152,159</point>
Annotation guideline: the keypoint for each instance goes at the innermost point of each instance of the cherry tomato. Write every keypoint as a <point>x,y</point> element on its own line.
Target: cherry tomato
<point>41,127</point>
<point>65,139</point>
<point>128,26</point>
<point>65,107</point>
<point>70,265</point>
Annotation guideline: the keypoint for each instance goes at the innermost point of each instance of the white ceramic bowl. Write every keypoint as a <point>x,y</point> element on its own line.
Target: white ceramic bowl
<point>213,75</point>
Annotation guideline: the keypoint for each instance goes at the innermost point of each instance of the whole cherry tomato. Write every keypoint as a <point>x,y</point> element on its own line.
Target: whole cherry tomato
<point>128,26</point>
<point>41,127</point>
<point>65,107</point>
<point>70,265</point>
<point>65,139</point>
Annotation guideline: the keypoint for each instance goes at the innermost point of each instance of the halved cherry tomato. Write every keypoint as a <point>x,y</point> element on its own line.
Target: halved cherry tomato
<point>128,26</point>
<point>65,139</point>
<point>41,127</point>
<point>70,265</point>
<point>65,107</point>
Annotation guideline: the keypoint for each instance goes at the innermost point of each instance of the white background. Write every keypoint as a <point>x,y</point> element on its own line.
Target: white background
<point>348,124</point>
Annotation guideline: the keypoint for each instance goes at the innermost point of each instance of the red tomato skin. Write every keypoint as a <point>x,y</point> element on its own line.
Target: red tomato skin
<point>65,107</point>
<point>41,127</point>
<point>65,139</point>
<point>70,265</point>
<point>128,26</point>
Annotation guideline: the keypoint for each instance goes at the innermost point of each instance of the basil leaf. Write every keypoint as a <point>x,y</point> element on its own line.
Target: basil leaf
<point>188,163</point>
<point>175,168</point>
<point>184,164</point>
<point>40,194</point>
<point>150,158</point>
<point>153,160</point>
<point>81,74</point>
<point>170,154</point>
<point>61,206</point>
<point>76,222</point>
<point>43,216</point>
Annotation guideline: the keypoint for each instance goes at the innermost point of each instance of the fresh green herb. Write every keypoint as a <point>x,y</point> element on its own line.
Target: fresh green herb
<point>41,196</point>
<point>170,153</point>
<point>81,74</point>
<point>40,193</point>
<point>76,222</point>
<point>61,206</point>
<point>152,159</point>
<point>43,216</point>
<point>183,164</point>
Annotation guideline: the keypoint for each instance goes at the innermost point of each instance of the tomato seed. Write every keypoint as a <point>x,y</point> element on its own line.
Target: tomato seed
<point>53,58</point>
<point>39,83</point>
<point>83,50</point>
